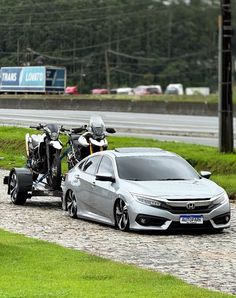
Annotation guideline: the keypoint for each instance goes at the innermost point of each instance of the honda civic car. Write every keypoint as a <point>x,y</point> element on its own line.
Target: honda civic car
<point>144,189</point>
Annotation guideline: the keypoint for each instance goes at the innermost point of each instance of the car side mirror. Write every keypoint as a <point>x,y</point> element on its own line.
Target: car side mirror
<point>105,177</point>
<point>205,174</point>
<point>110,130</point>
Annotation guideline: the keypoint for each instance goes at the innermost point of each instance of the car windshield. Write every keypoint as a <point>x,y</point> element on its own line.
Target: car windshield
<point>151,168</point>
<point>172,91</point>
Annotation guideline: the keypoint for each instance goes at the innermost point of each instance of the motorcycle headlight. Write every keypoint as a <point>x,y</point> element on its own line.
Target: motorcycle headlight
<point>147,200</point>
<point>220,199</point>
<point>54,136</point>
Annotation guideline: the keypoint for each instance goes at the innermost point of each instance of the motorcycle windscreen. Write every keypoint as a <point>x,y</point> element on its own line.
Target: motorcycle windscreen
<point>97,127</point>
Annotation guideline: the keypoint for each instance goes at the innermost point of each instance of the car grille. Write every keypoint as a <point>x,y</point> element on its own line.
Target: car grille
<point>182,207</point>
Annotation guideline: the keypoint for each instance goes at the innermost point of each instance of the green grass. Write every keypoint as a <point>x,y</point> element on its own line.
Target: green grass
<point>32,268</point>
<point>223,166</point>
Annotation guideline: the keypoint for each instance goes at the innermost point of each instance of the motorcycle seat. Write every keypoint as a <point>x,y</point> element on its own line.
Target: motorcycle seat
<point>36,139</point>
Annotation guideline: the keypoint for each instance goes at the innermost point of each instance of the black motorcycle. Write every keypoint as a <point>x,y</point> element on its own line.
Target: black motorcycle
<point>43,154</point>
<point>72,153</point>
<point>86,140</point>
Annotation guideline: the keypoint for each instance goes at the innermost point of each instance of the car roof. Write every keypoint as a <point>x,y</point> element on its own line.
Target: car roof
<point>139,151</point>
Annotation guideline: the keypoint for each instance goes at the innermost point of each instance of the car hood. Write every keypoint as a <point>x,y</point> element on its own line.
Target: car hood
<point>202,188</point>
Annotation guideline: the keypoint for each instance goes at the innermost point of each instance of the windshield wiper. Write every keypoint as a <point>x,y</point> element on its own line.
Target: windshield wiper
<point>167,179</point>
<point>173,179</point>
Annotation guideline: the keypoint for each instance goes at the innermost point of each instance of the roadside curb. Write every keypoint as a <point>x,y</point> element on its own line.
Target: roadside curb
<point>112,105</point>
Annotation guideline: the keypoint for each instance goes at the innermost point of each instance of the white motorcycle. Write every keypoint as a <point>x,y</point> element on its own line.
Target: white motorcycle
<point>91,139</point>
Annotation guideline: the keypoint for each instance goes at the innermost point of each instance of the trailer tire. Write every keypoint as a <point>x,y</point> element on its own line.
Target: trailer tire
<point>17,197</point>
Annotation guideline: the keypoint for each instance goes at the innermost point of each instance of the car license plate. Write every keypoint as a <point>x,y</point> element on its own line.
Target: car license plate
<point>191,219</point>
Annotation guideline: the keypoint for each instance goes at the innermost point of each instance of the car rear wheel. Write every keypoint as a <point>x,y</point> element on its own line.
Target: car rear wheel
<point>121,215</point>
<point>71,204</point>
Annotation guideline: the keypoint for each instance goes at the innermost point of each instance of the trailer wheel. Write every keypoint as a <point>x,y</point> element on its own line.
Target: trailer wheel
<point>17,198</point>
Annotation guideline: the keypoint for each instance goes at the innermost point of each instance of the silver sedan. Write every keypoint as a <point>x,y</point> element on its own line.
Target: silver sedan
<point>144,189</point>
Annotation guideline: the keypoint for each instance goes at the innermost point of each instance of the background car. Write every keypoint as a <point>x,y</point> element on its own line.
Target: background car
<point>144,189</point>
<point>100,91</point>
<point>174,89</point>
<point>147,90</point>
<point>123,90</point>
<point>72,90</point>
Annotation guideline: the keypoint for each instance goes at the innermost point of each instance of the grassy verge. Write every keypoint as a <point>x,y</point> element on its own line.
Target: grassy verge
<point>32,268</point>
<point>223,166</point>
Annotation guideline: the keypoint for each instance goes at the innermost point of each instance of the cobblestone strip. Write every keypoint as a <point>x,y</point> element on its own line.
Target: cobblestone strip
<point>207,260</point>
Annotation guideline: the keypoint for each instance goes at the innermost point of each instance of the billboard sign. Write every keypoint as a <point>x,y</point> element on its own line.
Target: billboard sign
<point>23,79</point>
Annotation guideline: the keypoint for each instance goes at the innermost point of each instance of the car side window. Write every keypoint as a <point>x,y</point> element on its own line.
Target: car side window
<point>91,165</point>
<point>81,165</point>
<point>106,166</point>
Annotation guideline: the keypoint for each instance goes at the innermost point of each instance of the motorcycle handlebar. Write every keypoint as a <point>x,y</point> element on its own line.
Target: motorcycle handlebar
<point>110,130</point>
<point>38,127</point>
<point>62,129</point>
<point>78,129</point>
<point>74,130</point>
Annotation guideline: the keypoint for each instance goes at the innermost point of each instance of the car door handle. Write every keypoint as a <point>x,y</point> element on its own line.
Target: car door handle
<point>77,176</point>
<point>93,184</point>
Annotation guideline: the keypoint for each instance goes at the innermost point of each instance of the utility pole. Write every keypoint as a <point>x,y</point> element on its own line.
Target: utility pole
<point>226,139</point>
<point>107,71</point>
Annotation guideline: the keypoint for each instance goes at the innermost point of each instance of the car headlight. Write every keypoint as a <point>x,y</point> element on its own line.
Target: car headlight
<point>220,199</point>
<point>146,200</point>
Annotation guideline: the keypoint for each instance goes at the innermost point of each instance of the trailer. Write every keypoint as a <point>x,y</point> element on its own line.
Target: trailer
<point>22,187</point>
<point>33,79</point>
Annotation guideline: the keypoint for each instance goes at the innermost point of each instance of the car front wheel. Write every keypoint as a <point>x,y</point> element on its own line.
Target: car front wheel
<point>121,215</point>
<point>71,204</point>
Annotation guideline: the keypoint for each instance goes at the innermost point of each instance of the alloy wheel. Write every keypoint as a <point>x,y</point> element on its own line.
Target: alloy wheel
<point>71,204</point>
<point>121,215</point>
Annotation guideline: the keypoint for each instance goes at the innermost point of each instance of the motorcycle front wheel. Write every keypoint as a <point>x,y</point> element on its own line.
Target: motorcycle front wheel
<point>54,177</point>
